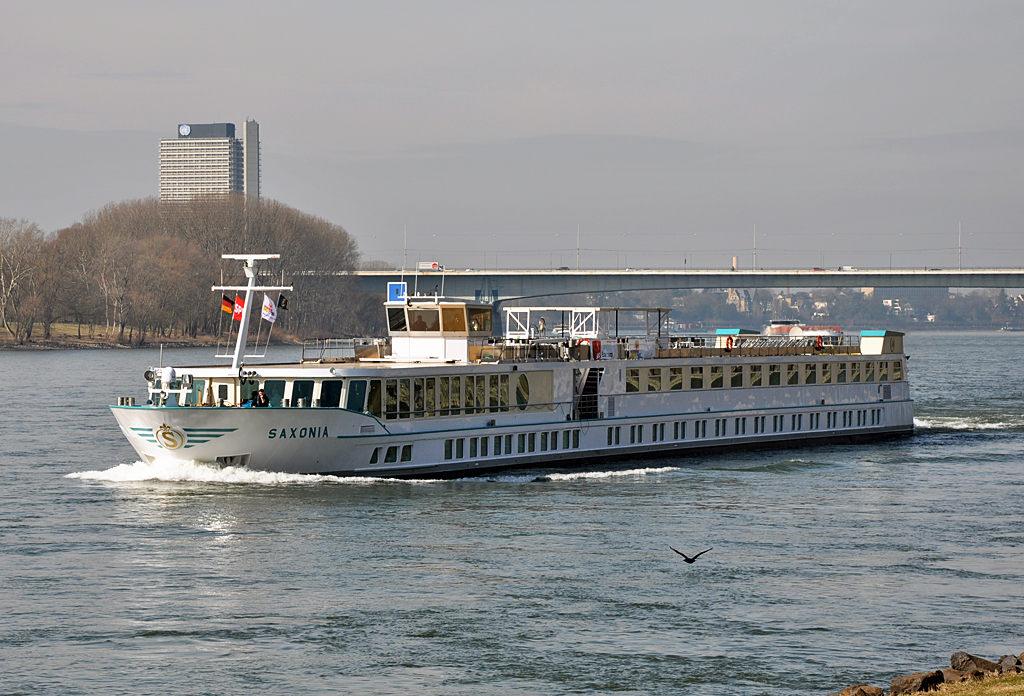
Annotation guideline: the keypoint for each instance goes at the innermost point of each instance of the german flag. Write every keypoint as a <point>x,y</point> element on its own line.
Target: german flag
<point>227,304</point>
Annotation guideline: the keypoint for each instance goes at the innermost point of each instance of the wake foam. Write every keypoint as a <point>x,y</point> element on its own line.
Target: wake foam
<point>178,471</point>
<point>578,475</point>
<point>960,423</point>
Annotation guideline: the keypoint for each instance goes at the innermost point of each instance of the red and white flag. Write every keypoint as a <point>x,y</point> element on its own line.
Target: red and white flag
<point>239,307</point>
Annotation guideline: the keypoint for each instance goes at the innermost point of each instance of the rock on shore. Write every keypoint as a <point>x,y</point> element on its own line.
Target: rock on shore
<point>962,667</point>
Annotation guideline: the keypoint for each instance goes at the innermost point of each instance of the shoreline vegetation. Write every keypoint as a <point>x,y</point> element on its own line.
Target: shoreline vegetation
<point>967,675</point>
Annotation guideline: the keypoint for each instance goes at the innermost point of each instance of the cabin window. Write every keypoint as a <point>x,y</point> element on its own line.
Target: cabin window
<point>481,393</point>
<point>544,440</point>
<point>391,399</point>
<point>523,392</point>
<point>455,396</point>
<point>632,434</point>
<point>391,456</point>
<point>854,372</point>
<point>472,448</point>
<point>522,443</point>
<point>755,375</point>
<point>375,457</point>
<point>417,397</point>
<point>576,439</point>
<point>696,378</point>
<point>406,453</point>
<point>792,374</point>
<point>811,374</point>
<point>618,434</point>
<point>429,395</point>
<point>633,379</point>
<point>609,438</point>
<point>654,379</point>
<point>275,391</point>
<point>404,402</point>
<point>716,377</point>
<point>869,372</point>
<point>396,319</point>
<point>774,375</point>
<point>508,444</point>
<point>532,441</point>
<point>302,389</point>
<point>554,440</point>
<point>492,393</point>
<point>356,395</point>
<point>675,378</point>
<point>483,447</point>
<point>424,320</point>
<point>503,392</point>
<point>737,376</point>
<point>470,395</point>
<point>497,445</point>
<point>330,393</point>
<point>460,448</point>
<point>453,319</point>
<point>373,400</point>
<point>841,373</point>
<point>883,371</point>
<point>479,319</point>
<point>442,395</point>
<point>222,392</point>
<point>565,439</point>
<point>897,370</point>
<point>826,373</point>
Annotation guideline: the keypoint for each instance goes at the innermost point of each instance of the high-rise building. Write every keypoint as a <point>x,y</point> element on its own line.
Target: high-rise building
<point>206,159</point>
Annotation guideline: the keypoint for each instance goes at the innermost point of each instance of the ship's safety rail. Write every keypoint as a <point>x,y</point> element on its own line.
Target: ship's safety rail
<point>756,345</point>
<point>330,350</point>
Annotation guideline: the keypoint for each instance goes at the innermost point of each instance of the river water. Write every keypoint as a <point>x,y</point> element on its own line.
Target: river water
<point>830,566</point>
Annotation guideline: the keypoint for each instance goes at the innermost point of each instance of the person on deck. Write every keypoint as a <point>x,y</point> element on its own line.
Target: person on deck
<point>261,399</point>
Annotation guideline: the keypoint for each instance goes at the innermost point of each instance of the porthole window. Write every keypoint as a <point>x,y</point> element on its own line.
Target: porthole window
<point>523,392</point>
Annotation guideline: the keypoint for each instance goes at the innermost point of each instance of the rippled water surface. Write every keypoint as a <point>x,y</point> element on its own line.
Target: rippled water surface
<point>830,566</point>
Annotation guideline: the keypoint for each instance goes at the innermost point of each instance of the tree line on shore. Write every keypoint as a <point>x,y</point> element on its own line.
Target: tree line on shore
<point>142,269</point>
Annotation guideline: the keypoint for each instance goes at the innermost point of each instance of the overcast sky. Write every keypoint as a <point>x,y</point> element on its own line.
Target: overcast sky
<point>848,133</point>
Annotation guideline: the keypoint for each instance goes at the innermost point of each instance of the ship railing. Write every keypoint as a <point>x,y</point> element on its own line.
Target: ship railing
<point>344,349</point>
<point>757,345</point>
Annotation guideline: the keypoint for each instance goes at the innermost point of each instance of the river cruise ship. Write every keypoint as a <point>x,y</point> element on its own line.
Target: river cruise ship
<point>443,395</point>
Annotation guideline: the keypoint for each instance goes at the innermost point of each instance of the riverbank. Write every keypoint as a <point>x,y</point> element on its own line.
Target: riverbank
<point>967,674</point>
<point>65,337</point>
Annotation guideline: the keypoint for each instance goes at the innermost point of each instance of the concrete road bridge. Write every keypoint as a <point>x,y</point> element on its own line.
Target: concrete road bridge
<point>499,285</point>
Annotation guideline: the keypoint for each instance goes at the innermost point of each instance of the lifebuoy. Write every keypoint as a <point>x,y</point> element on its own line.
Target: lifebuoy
<point>728,344</point>
<point>818,343</point>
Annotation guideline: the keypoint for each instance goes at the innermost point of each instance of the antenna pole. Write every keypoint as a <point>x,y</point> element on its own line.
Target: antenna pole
<point>577,246</point>
<point>755,247</point>
<point>959,246</point>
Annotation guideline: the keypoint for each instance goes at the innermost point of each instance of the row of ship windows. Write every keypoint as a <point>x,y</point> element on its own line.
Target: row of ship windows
<point>699,428</point>
<point>523,443</point>
<point>719,376</point>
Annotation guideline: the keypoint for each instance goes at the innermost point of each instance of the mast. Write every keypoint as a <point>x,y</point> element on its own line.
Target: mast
<point>250,268</point>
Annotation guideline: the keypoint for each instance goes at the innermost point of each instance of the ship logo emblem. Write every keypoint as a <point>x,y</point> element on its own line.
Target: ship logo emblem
<point>169,438</point>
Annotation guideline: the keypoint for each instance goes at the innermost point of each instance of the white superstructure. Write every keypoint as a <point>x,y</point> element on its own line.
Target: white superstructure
<point>561,386</point>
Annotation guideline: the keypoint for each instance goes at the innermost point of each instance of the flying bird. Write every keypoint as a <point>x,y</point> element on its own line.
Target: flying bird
<point>688,559</point>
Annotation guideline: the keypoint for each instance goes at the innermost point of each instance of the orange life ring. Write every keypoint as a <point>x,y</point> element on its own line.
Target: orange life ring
<point>818,343</point>
<point>728,344</point>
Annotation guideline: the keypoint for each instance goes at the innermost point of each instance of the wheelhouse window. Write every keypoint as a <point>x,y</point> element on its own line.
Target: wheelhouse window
<point>453,319</point>
<point>826,373</point>
<point>774,375</point>
<point>883,371</point>
<point>841,373</point>
<point>737,376</point>
<point>654,379</point>
<point>275,391</point>
<point>811,374</point>
<point>897,370</point>
<point>479,319</point>
<point>633,379</point>
<point>696,378</point>
<point>424,320</point>
<point>854,372</point>
<point>396,319</point>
